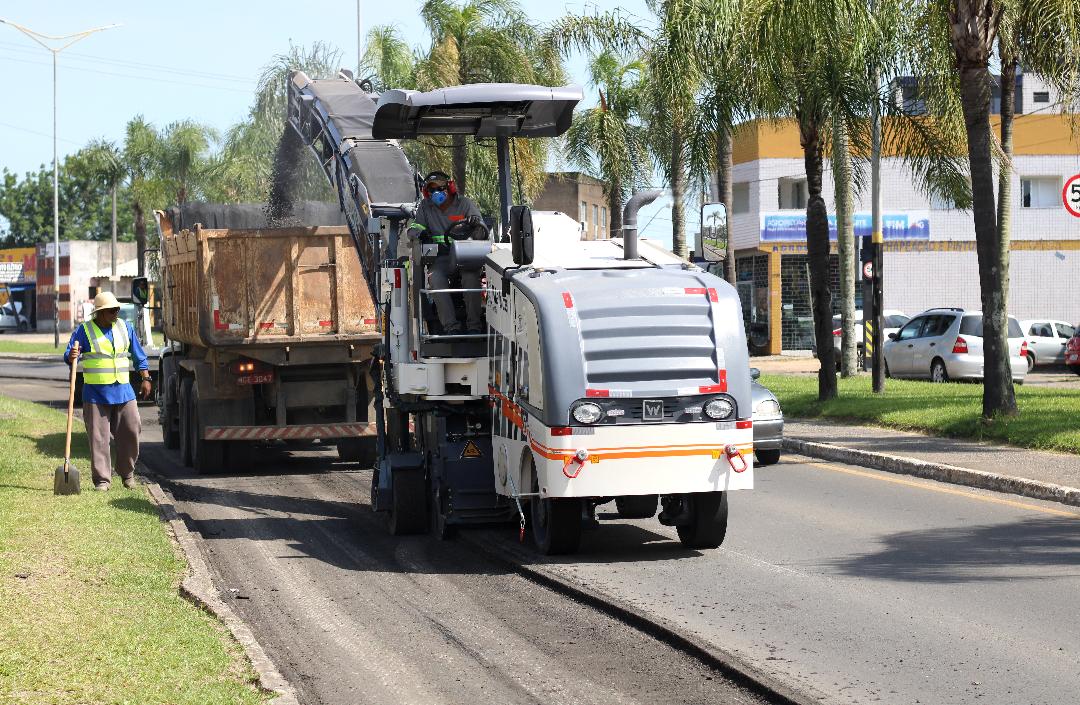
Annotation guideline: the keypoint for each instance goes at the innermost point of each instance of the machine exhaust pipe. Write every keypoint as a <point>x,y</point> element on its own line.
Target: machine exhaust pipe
<point>630,211</point>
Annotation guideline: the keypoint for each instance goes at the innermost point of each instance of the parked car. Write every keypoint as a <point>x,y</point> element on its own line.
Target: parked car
<point>893,321</point>
<point>12,318</point>
<point>768,422</point>
<point>1046,341</point>
<point>946,343</point>
<point>1072,351</point>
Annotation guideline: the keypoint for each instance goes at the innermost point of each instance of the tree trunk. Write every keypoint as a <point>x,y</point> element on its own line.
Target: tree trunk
<point>112,252</point>
<point>998,395</point>
<point>140,238</point>
<point>723,188</point>
<point>817,248</point>
<point>615,206</point>
<point>461,161</point>
<point>845,246</point>
<point>678,188</point>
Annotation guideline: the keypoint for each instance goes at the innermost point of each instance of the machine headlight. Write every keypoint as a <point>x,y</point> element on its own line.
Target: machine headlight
<point>769,407</point>
<point>719,409</point>
<point>587,413</point>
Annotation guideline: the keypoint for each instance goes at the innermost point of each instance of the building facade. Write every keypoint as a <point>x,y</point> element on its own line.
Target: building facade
<point>929,258</point>
<point>579,196</point>
<point>85,271</point>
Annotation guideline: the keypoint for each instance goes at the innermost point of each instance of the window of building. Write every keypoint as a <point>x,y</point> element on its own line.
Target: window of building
<point>740,198</point>
<point>596,221</point>
<point>603,222</point>
<point>793,194</point>
<point>1040,192</point>
<point>583,215</point>
<point>1040,97</point>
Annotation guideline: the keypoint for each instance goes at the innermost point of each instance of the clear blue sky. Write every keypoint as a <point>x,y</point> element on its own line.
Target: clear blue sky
<point>195,59</point>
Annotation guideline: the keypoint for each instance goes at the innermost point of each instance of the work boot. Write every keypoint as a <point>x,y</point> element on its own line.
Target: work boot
<point>129,481</point>
<point>102,487</point>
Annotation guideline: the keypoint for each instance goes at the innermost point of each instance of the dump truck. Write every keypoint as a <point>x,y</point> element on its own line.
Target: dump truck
<point>269,335</point>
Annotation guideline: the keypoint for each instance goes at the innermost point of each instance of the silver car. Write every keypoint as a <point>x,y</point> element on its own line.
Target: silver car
<point>1046,341</point>
<point>946,343</point>
<point>768,423</point>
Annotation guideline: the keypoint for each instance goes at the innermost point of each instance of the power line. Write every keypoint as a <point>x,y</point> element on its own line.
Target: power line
<point>34,132</point>
<point>155,79</point>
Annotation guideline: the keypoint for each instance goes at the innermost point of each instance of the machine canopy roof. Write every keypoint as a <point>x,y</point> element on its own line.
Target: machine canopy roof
<point>481,109</point>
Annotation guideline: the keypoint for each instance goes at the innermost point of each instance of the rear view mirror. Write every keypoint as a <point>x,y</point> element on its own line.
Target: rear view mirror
<point>140,291</point>
<point>521,235</point>
<point>712,240</point>
<point>892,336</point>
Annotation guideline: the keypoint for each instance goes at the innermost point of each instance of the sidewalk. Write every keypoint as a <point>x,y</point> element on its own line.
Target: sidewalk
<point>1032,473</point>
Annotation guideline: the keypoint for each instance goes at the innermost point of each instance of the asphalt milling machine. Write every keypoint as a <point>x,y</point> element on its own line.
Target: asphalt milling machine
<point>610,369</point>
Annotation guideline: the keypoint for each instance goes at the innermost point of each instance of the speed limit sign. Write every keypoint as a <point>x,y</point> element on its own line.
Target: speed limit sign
<point>1070,195</point>
<point>868,270</point>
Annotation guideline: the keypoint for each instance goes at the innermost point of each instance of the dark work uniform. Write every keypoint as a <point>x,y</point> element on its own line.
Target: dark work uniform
<point>432,222</point>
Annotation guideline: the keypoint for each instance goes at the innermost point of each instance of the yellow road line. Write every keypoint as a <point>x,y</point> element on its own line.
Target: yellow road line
<point>945,490</point>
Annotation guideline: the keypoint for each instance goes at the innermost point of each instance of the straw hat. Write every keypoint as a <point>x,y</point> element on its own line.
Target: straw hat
<point>105,300</point>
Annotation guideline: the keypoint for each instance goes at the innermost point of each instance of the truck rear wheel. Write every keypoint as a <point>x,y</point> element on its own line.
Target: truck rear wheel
<point>206,456</point>
<point>186,436</point>
<point>637,506</point>
<point>408,505</point>
<point>707,526</point>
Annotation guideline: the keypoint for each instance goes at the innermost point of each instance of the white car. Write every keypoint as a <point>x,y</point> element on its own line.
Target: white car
<point>1046,341</point>
<point>894,321</point>
<point>12,318</point>
<point>946,343</point>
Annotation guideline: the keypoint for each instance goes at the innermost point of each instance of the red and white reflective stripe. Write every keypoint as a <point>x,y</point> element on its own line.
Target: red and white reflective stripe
<point>713,296</point>
<point>567,299</point>
<point>695,290</point>
<point>260,433</point>
<point>620,393</point>
<point>745,423</point>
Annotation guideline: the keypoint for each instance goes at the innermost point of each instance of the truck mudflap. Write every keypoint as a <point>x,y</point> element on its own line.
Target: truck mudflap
<point>309,431</point>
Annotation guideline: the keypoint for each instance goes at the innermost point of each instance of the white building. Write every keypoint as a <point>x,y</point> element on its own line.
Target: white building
<point>932,261</point>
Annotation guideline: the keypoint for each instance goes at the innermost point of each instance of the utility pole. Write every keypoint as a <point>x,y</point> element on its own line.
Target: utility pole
<point>64,42</point>
<point>874,319</point>
<point>359,42</point>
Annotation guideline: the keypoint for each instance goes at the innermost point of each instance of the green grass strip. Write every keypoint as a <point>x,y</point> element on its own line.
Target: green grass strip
<point>1047,420</point>
<point>89,588</point>
<point>19,346</point>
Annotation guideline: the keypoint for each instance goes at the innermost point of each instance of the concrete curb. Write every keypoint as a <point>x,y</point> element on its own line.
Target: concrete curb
<point>731,666</point>
<point>935,471</point>
<point>198,587</point>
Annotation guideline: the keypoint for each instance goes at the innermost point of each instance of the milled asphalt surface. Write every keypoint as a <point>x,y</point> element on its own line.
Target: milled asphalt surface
<point>1055,468</point>
<point>852,585</point>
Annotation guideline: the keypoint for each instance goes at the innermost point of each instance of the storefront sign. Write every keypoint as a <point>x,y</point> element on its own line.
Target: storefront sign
<point>18,264</point>
<point>791,226</point>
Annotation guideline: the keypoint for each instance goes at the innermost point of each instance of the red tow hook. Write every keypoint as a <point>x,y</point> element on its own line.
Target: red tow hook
<point>574,464</point>
<point>732,452</point>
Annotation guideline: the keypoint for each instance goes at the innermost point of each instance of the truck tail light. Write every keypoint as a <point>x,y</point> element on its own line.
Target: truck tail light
<point>960,346</point>
<point>838,332</point>
<point>1023,349</point>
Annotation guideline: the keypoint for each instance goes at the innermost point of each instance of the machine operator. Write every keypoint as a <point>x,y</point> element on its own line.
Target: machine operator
<point>442,215</point>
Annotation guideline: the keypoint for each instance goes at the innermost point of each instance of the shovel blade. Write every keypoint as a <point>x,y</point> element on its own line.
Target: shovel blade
<point>66,482</point>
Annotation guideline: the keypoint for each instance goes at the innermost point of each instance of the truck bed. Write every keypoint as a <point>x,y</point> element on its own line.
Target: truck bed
<point>265,287</point>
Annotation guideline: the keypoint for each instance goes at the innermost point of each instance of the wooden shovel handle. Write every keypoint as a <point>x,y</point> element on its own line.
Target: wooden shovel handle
<point>73,358</point>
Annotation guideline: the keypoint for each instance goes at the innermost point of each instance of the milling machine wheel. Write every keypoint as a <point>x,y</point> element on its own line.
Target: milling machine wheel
<point>708,520</point>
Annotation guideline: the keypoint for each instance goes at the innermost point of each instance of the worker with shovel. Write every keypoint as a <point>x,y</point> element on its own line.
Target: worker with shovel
<point>106,347</point>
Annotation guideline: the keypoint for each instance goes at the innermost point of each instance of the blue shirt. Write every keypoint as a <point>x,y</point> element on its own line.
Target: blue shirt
<point>117,392</point>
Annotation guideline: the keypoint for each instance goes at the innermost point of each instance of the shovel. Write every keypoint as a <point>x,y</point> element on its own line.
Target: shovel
<point>66,479</point>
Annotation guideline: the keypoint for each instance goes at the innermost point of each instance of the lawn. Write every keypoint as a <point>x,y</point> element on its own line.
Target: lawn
<point>1048,417</point>
<point>10,344</point>
<point>88,585</point>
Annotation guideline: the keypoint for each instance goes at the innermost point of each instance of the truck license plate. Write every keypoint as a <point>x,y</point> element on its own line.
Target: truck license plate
<point>261,378</point>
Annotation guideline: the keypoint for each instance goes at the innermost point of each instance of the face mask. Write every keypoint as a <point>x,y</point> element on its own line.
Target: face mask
<point>438,197</point>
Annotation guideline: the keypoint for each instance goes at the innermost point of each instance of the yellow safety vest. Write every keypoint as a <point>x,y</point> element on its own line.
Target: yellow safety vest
<point>106,362</point>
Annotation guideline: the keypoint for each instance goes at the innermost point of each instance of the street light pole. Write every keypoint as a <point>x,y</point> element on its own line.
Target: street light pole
<point>65,41</point>
<point>359,42</point>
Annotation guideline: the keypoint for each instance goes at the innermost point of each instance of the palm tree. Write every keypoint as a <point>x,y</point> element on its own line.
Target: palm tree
<point>479,41</point>
<point>605,139</point>
<point>107,163</point>
<point>388,61</point>
<point>142,159</point>
<point>185,147</point>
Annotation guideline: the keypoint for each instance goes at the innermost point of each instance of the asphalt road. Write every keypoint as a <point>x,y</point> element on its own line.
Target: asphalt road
<point>851,585</point>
